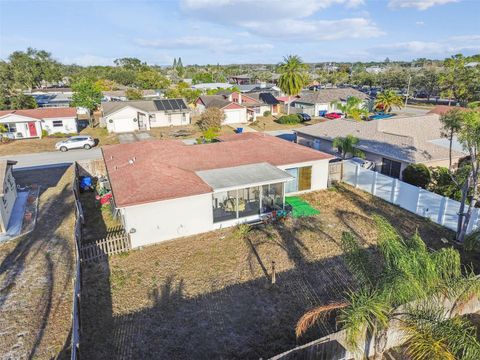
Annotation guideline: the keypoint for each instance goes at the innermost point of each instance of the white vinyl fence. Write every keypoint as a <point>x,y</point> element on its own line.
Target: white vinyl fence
<point>439,209</point>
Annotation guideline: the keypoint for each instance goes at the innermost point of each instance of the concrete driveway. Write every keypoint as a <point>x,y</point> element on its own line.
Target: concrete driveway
<point>126,138</point>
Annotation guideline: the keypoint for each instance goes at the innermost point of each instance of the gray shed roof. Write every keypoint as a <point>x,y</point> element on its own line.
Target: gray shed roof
<point>326,96</point>
<point>242,176</point>
<point>409,139</point>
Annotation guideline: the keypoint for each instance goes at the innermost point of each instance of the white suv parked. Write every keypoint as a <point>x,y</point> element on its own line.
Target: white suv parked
<point>75,142</point>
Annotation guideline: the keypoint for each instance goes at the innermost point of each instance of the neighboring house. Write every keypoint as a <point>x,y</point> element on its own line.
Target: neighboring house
<point>211,86</point>
<point>121,95</point>
<point>8,193</point>
<point>234,112</point>
<point>166,189</point>
<point>241,79</point>
<point>392,144</point>
<point>128,116</point>
<point>251,105</point>
<point>29,123</point>
<point>49,99</point>
<point>261,87</point>
<point>264,101</point>
<point>316,102</point>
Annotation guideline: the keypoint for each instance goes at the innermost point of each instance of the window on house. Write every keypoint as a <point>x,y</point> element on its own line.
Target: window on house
<point>224,206</point>
<point>302,179</point>
<point>57,123</point>
<point>257,110</point>
<point>391,168</point>
<point>249,201</point>
<point>12,128</point>
<point>272,197</point>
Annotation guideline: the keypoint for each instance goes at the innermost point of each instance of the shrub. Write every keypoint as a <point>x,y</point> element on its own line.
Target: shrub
<point>267,113</point>
<point>211,118</point>
<point>417,174</point>
<point>44,133</point>
<point>289,119</point>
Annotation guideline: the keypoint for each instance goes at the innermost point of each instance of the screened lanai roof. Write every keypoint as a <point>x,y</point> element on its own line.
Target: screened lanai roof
<point>243,176</point>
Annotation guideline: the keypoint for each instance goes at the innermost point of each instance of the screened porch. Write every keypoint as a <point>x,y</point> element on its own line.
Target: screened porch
<point>246,191</point>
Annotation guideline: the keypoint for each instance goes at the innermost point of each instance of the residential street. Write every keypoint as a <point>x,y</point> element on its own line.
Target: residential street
<point>53,157</point>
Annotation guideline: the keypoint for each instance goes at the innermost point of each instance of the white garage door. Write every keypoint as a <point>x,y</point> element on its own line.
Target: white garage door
<point>235,116</point>
<point>124,125</point>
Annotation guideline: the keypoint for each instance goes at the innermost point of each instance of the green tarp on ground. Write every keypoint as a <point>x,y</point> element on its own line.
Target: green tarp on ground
<point>300,207</point>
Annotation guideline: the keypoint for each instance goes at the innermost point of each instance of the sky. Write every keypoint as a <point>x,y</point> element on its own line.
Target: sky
<point>240,31</point>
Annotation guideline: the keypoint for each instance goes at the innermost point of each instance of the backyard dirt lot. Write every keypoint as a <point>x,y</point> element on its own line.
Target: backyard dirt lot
<point>210,295</point>
<point>36,274</point>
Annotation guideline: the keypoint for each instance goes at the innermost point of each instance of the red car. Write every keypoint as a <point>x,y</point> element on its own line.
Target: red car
<point>333,116</point>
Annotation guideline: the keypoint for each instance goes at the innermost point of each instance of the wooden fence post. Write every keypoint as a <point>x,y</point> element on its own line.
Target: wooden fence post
<point>274,275</point>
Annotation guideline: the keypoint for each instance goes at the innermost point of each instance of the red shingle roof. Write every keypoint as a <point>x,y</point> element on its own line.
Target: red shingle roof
<point>160,170</point>
<point>43,113</point>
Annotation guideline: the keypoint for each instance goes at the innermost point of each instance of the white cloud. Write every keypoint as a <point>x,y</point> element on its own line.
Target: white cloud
<point>420,23</point>
<point>418,4</point>
<point>316,30</point>
<point>282,19</point>
<point>88,60</point>
<point>231,11</point>
<point>447,47</point>
<point>214,44</point>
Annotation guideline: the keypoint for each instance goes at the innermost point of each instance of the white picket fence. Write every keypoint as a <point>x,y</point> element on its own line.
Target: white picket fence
<point>439,209</point>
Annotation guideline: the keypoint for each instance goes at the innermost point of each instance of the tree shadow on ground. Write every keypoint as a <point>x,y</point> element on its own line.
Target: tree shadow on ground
<point>38,267</point>
<point>248,320</point>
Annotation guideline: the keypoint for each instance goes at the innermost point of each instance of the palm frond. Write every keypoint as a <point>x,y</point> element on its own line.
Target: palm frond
<point>314,315</point>
<point>369,311</point>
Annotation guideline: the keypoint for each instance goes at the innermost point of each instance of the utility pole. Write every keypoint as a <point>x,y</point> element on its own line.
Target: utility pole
<point>408,89</point>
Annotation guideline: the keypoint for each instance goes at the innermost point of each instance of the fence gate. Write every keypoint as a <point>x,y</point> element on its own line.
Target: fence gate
<point>114,243</point>
<point>335,172</point>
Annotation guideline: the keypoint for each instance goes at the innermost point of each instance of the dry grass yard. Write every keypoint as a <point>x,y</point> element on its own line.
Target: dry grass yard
<point>27,146</point>
<point>210,295</point>
<point>36,274</point>
<point>182,132</point>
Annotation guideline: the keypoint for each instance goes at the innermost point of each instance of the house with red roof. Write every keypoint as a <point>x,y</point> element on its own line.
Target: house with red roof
<point>238,107</point>
<point>29,123</point>
<point>164,190</point>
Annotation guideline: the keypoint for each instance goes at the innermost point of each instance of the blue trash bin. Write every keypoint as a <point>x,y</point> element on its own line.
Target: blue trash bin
<point>239,130</point>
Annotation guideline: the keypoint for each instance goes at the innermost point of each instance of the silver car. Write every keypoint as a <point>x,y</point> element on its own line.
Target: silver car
<point>76,142</point>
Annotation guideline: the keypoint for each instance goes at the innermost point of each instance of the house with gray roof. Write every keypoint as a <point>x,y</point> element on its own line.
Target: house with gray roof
<point>320,101</point>
<point>129,116</point>
<point>392,144</point>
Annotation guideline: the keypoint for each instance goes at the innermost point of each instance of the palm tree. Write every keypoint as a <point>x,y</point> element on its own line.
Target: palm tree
<point>292,76</point>
<point>411,287</point>
<point>452,123</point>
<point>353,108</point>
<point>388,99</point>
<point>347,145</point>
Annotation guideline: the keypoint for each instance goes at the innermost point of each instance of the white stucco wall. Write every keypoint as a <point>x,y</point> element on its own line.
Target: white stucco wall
<point>235,116</point>
<point>169,219</point>
<point>174,119</point>
<point>21,123</point>
<point>319,173</point>
<point>8,200</point>
<point>123,120</point>
<point>69,125</point>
